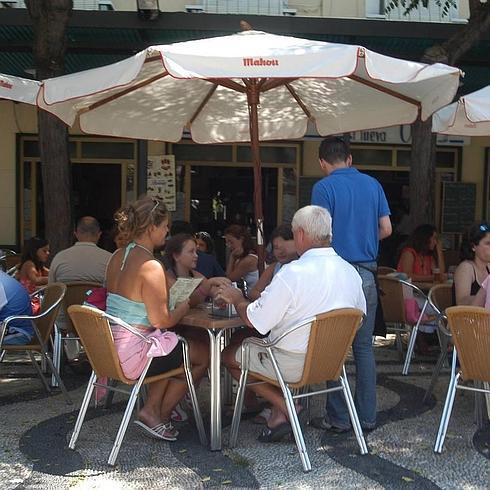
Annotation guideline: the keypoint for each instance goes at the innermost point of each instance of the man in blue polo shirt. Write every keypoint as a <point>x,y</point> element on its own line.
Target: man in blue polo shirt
<point>360,218</point>
<point>14,300</point>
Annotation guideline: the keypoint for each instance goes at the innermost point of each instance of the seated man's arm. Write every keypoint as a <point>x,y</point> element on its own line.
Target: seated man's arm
<point>268,310</point>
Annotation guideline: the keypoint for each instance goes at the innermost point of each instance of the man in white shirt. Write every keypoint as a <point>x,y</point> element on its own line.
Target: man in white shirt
<point>319,281</point>
<point>84,261</point>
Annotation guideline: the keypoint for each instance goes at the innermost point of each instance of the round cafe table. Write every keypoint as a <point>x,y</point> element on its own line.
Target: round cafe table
<point>216,327</point>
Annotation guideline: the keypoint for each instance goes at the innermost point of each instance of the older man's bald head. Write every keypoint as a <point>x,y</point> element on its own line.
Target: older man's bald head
<point>88,229</point>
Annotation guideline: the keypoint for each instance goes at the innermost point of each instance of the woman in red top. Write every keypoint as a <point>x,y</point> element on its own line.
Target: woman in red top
<point>422,255</point>
<point>33,272</point>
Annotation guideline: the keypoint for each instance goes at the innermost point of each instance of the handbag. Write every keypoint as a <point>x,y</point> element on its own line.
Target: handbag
<point>97,297</point>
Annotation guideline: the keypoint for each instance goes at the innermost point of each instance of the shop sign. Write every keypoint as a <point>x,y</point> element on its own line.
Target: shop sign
<point>395,135</point>
<point>160,180</point>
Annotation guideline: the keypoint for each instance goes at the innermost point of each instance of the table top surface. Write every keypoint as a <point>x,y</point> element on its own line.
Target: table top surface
<point>201,317</point>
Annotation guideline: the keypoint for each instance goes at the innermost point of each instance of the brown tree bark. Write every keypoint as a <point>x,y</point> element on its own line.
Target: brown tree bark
<point>50,19</point>
<point>422,169</point>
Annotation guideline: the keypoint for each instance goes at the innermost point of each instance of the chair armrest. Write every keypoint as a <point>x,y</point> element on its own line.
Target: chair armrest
<point>33,317</point>
<point>256,341</point>
<point>122,324</point>
<point>38,292</point>
<point>441,326</point>
<point>415,288</point>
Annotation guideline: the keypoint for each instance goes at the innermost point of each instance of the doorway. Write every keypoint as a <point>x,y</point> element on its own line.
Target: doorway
<point>221,196</point>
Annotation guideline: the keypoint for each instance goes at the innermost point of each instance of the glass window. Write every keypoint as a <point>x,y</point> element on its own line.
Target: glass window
<point>289,203</point>
<point>268,154</point>
<point>445,159</point>
<point>31,148</point>
<point>108,149</point>
<point>205,153</point>
<point>371,156</point>
<point>130,183</point>
<point>403,158</point>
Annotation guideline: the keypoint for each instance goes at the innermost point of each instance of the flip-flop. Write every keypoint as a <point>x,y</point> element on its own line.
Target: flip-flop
<point>156,432</point>
<point>276,433</point>
<point>149,431</point>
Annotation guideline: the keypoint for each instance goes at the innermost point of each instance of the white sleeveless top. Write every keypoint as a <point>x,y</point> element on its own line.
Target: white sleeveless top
<point>251,277</point>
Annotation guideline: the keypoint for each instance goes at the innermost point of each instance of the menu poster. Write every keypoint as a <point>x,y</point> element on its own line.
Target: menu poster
<point>160,179</point>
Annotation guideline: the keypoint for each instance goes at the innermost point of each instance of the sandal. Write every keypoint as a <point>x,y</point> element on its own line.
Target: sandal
<point>179,414</point>
<point>166,432</point>
<point>275,434</point>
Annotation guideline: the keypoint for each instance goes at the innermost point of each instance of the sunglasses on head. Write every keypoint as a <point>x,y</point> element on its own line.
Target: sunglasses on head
<point>484,228</point>
<point>157,202</point>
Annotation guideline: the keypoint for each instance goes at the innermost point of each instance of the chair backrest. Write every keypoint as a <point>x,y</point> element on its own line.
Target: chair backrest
<point>52,296</point>
<point>12,260</point>
<point>76,293</point>
<point>441,296</point>
<point>470,328</point>
<point>383,270</point>
<point>96,336</point>
<point>331,336</point>
<point>392,300</point>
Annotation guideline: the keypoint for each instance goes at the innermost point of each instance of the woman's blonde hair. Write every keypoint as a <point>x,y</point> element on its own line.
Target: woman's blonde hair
<point>136,217</point>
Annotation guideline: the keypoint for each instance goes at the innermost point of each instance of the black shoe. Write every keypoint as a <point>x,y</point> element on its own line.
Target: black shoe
<point>275,434</point>
<point>322,424</point>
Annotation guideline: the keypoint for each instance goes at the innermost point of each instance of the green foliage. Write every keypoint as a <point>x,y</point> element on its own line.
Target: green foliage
<point>410,5</point>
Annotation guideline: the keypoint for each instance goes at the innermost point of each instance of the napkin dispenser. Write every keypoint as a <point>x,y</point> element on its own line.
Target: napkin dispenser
<point>226,311</point>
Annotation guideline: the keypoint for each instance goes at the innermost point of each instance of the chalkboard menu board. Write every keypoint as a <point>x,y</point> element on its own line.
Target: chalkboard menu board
<point>305,186</point>
<point>458,206</point>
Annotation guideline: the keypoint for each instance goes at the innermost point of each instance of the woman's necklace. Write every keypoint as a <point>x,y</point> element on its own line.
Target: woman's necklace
<point>480,272</point>
<point>144,248</point>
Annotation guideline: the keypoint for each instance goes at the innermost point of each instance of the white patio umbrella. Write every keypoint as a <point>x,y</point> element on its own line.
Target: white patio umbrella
<point>248,87</point>
<point>18,89</point>
<point>469,116</point>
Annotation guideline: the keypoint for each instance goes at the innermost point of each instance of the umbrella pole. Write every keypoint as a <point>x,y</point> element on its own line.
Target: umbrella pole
<point>253,102</point>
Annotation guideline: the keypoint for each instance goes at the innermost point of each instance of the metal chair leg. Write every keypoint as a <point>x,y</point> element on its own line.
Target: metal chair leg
<point>399,344</point>
<point>83,410</point>
<point>293,416</point>
<point>353,413</point>
<point>192,393</point>
<point>127,417</point>
<point>237,412</point>
<point>56,374</point>
<point>411,347</point>
<point>39,370</point>
<point>446,413</point>
<point>57,348</point>
<point>435,375</point>
<point>110,394</point>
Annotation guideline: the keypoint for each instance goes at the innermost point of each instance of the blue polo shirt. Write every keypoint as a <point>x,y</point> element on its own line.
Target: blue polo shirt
<point>14,300</point>
<point>356,202</point>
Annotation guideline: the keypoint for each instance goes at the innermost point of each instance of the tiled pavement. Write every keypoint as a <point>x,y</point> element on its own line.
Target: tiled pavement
<point>35,428</point>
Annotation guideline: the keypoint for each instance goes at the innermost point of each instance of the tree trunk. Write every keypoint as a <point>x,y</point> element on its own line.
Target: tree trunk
<point>50,18</point>
<point>422,173</point>
<point>422,165</point>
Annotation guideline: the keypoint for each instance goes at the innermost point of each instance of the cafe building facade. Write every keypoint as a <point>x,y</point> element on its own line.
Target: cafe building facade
<point>211,185</point>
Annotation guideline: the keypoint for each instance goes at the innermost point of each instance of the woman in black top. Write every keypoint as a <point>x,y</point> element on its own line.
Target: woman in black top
<point>474,268</point>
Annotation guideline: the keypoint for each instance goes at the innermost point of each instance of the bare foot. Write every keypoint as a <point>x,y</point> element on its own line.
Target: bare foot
<point>148,418</point>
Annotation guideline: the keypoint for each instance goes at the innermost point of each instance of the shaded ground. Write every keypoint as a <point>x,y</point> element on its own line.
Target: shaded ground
<point>36,427</point>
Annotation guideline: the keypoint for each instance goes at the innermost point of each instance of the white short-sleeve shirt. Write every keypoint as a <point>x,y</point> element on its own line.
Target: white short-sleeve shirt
<point>319,281</point>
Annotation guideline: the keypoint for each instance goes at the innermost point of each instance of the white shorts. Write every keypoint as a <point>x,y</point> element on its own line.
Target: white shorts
<point>290,364</point>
